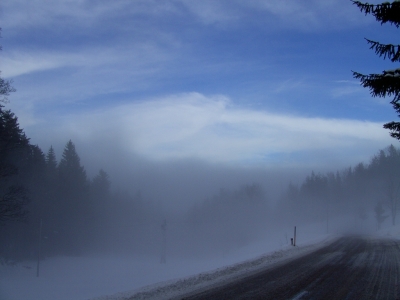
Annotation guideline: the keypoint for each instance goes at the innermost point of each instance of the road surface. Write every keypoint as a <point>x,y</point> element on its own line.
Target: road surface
<point>350,268</point>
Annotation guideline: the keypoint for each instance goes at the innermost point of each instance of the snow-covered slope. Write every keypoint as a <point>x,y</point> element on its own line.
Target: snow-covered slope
<point>87,277</point>
<point>174,288</point>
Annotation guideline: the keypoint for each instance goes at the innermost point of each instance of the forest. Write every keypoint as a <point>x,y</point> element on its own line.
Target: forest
<point>51,205</point>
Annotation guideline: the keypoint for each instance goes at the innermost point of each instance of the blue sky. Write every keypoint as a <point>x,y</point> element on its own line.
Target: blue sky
<point>240,82</point>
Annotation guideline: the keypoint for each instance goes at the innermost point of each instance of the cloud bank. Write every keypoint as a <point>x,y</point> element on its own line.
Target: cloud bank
<point>212,128</point>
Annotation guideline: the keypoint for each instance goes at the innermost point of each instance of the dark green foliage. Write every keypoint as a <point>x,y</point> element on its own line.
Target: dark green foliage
<point>72,174</point>
<point>382,85</point>
<point>384,12</point>
<point>12,203</point>
<point>51,161</point>
<point>386,50</point>
<point>14,159</point>
<point>388,82</point>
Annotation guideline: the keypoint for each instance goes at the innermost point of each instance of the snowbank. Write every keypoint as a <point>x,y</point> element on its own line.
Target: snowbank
<point>82,278</point>
<point>175,288</point>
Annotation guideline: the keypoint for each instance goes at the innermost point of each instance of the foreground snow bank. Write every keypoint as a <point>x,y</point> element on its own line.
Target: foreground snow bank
<point>174,288</point>
<point>87,277</point>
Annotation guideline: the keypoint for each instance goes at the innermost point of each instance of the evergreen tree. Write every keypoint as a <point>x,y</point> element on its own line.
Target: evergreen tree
<point>12,139</point>
<point>100,215</point>
<point>51,162</point>
<point>72,174</point>
<point>14,147</point>
<point>388,82</point>
<point>73,197</point>
<point>100,185</point>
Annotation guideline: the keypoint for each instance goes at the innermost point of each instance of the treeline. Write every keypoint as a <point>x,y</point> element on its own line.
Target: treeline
<point>363,190</point>
<point>229,219</point>
<point>73,213</point>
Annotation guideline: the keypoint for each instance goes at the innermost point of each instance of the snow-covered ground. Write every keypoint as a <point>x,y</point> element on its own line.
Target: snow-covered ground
<point>117,278</point>
<point>173,288</point>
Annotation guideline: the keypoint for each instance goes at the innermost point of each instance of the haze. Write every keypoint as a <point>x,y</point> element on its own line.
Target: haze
<point>200,133</point>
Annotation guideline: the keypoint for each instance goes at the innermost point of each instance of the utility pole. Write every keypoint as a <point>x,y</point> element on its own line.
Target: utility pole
<point>164,242</point>
<point>39,248</point>
<point>327,215</point>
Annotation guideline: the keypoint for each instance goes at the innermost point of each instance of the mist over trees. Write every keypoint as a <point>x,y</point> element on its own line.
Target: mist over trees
<point>82,215</point>
<point>229,218</point>
<point>358,191</point>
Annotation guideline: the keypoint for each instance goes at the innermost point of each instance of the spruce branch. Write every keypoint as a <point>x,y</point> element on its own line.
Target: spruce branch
<point>390,51</point>
<point>394,128</point>
<point>381,85</point>
<point>385,12</point>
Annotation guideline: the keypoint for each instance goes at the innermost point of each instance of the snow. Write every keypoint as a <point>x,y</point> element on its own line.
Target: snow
<point>110,277</point>
<point>174,288</point>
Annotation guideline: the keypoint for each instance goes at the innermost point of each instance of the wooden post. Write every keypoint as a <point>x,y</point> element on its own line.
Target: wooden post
<point>164,242</point>
<point>39,248</point>
<point>294,237</point>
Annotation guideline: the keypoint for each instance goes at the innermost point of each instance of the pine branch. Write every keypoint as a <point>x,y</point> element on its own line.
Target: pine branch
<point>396,106</point>
<point>394,128</point>
<point>385,12</point>
<point>382,85</point>
<point>386,50</point>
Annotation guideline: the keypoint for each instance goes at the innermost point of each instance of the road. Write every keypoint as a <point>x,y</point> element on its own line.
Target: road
<point>350,268</point>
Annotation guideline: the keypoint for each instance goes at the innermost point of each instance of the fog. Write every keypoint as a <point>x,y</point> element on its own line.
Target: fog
<point>153,140</point>
<point>177,185</point>
<point>187,212</point>
<point>95,200</point>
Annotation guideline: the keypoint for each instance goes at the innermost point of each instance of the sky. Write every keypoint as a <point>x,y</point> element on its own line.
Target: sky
<point>255,82</point>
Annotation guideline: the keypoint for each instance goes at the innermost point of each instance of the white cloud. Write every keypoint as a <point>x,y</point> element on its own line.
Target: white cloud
<point>138,57</point>
<point>17,64</point>
<point>211,11</point>
<point>345,90</point>
<point>298,15</point>
<point>210,128</point>
<point>310,14</point>
<point>288,84</point>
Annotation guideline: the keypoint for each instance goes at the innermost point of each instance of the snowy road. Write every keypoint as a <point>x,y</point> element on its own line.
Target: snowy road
<point>350,268</point>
